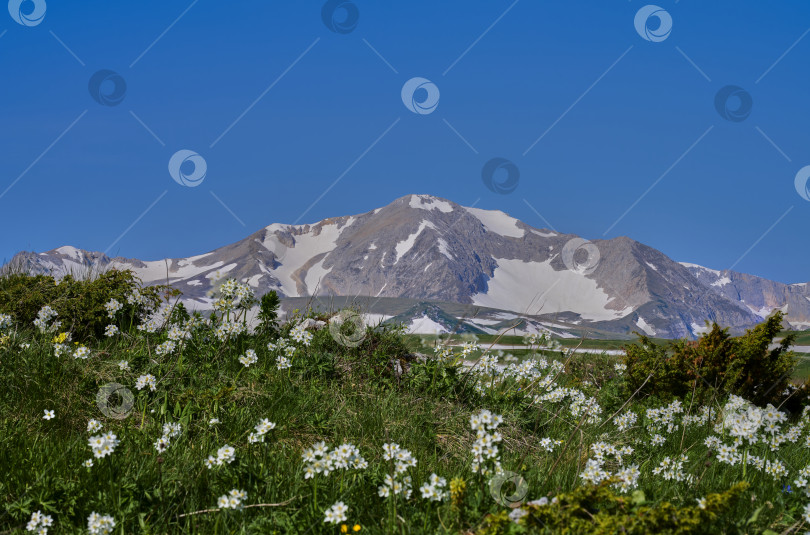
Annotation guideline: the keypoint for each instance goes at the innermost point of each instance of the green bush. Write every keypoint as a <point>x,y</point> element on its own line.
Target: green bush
<point>716,364</point>
<point>79,303</point>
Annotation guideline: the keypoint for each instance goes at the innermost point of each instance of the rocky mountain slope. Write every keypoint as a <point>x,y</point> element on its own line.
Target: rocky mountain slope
<point>426,248</point>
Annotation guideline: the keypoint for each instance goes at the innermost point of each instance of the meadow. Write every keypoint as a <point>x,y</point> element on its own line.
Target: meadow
<point>120,412</point>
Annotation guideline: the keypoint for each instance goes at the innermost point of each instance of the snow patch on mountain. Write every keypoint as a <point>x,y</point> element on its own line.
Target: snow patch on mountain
<point>427,202</point>
<point>721,282</point>
<point>536,287</point>
<point>497,222</point>
<point>644,326</point>
<point>425,325</point>
<point>407,244</point>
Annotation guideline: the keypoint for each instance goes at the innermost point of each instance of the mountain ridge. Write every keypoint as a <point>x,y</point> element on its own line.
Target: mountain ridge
<point>428,248</point>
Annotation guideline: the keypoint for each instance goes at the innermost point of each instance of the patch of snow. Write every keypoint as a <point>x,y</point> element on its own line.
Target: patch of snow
<point>426,202</point>
<point>721,282</point>
<point>644,326</point>
<point>405,245</point>
<point>425,325</point>
<point>688,265</point>
<point>374,319</point>
<point>444,249</point>
<point>194,283</point>
<point>497,222</point>
<point>699,329</point>
<point>654,268</point>
<point>526,286</point>
<point>545,234</point>
<point>314,276</point>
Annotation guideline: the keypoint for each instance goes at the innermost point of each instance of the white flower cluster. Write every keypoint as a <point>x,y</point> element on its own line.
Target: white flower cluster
<point>103,445</point>
<point>232,500</point>
<point>802,478</point>
<point>123,365</point>
<point>170,431</point>
<point>248,358</point>
<point>620,368</point>
<point>100,525</point>
<point>672,468</point>
<point>93,426</point>
<point>262,428</point>
<point>150,325</point>
<point>485,447</point>
<point>229,329</point>
<point>178,333</point>
<point>39,523</point>
<point>626,420</point>
<point>664,417</point>
<point>549,444</point>
<point>137,298</point>
<point>5,321</point>
<point>81,353</point>
<point>444,353</point>
<point>146,380</point>
<point>225,454</point>
<point>282,346</point>
<point>705,414</point>
<point>166,348</point>
<point>323,461</point>
<point>112,307</point>
<point>301,335</point>
<point>397,483</point>
<point>434,488</point>
<point>232,294</point>
<point>595,471</point>
<point>111,330</point>
<point>336,514</point>
<point>44,316</point>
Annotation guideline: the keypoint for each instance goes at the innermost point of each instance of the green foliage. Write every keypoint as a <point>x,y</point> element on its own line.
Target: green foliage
<point>598,510</point>
<point>717,364</point>
<point>268,314</point>
<point>79,303</point>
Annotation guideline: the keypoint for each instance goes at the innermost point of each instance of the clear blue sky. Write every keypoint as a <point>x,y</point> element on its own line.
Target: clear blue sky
<point>532,73</point>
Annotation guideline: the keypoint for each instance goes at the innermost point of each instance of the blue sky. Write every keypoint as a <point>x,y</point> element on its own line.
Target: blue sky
<point>281,108</point>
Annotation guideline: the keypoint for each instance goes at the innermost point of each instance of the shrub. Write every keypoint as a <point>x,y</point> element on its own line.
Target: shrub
<point>715,365</point>
<point>79,303</point>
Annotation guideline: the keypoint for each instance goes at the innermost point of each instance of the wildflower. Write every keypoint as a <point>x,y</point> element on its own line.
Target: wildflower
<point>282,363</point>
<point>45,315</point>
<point>403,459</point>
<point>433,489</point>
<point>806,514</point>
<point>123,365</point>
<point>658,440</point>
<point>322,461</point>
<point>103,445</point>
<point>48,415</point>
<point>301,335</point>
<point>93,426</point>
<point>111,330</point>
<point>336,514</point>
<point>701,502</point>
<point>628,478</point>
<point>620,368</point>
<point>213,421</point>
<point>672,469</point>
<point>166,348</point>
<point>232,500</point>
<point>146,380</point>
<point>626,421</point>
<point>88,463</point>
<point>248,358</point>
<point>81,353</point>
<point>5,321</point>
<point>39,523</point>
<point>225,454</point>
<point>485,449</point>
<point>112,307</point>
<point>100,525</point>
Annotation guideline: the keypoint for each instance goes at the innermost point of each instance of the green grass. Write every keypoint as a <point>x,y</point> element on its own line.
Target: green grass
<point>332,393</point>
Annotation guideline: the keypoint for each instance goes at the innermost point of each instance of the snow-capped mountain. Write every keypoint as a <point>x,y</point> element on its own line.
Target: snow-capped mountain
<point>430,249</point>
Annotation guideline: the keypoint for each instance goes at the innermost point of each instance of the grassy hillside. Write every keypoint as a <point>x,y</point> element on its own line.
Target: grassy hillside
<point>185,424</point>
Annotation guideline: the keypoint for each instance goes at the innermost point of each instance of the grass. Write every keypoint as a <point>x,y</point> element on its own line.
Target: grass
<point>337,394</point>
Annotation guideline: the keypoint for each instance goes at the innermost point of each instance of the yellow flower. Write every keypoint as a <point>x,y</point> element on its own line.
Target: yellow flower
<point>344,528</point>
<point>356,527</point>
<point>61,337</point>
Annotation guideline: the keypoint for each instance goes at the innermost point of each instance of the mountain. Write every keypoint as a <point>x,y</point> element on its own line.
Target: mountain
<point>438,253</point>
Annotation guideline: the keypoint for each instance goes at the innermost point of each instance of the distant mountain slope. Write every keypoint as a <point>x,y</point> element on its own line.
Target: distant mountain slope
<point>426,248</point>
